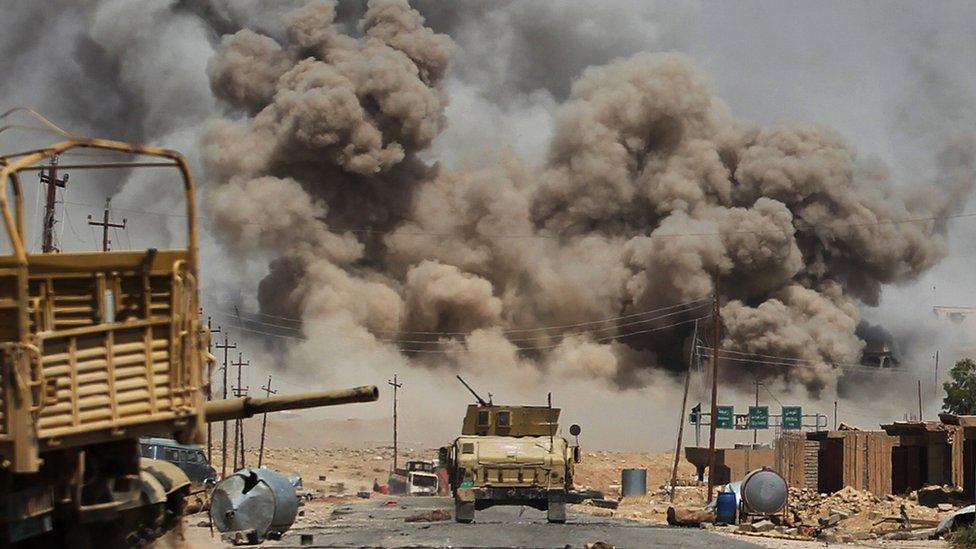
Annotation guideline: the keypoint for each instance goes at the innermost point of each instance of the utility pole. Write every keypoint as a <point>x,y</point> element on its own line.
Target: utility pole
<point>396,387</point>
<point>264,421</point>
<point>716,340</point>
<point>935,395</point>
<point>681,414</point>
<point>755,432</point>
<point>105,224</point>
<point>51,180</point>
<point>223,440</point>
<point>920,400</point>
<point>835,415</point>
<point>210,389</point>
<point>239,391</point>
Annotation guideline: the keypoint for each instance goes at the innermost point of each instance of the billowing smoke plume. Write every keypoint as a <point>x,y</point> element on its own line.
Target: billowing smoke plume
<point>595,263</point>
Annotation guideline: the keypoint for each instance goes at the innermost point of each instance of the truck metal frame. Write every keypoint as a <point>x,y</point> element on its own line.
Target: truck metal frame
<point>97,346</point>
<point>98,349</point>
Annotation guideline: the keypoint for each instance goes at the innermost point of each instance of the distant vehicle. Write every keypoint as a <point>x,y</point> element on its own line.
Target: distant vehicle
<point>421,478</point>
<point>417,478</point>
<point>510,455</point>
<point>189,457</point>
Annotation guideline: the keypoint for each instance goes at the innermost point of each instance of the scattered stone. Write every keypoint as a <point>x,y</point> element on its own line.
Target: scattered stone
<point>944,507</point>
<point>840,512</point>
<point>598,545</point>
<point>830,520</point>
<point>746,527</point>
<point>834,535</point>
<point>763,526</point>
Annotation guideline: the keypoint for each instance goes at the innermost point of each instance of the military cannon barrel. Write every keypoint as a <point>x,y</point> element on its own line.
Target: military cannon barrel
<point>240,408</point>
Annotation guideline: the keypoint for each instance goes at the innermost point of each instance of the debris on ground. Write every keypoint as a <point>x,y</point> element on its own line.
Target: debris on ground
<point>436,515</point>
<point>682,516</point>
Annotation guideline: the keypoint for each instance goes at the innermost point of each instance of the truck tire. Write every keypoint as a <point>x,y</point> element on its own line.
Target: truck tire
<point>556,513</point>
<point>463,512</point>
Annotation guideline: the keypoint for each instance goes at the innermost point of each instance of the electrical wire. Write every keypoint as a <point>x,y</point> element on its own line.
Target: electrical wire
<point>603,339</point>
<point>786,362</point>
<point>379,232</point>
<point>687,306</point>
<point>513,340</point>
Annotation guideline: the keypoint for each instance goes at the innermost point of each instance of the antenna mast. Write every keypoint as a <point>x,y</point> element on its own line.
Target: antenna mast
<point>480,400</point>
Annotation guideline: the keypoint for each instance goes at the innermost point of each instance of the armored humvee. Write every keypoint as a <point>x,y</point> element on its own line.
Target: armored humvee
<point>510,455</point>
<point>98,349</point>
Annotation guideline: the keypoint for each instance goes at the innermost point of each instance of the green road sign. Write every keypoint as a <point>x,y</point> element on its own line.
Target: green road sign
<point>723,417</point>
<point>759,417</point>
<point>792,417</point>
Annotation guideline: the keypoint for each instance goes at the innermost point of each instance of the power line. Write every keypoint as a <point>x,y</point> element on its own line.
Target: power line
<point>558,236</point>
<point>795,362</point>
<point>518,349</point>
<point>513,340</point>
<point>515,330</point>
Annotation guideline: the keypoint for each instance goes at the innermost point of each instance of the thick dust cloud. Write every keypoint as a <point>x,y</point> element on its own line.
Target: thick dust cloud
<point>596,262</point>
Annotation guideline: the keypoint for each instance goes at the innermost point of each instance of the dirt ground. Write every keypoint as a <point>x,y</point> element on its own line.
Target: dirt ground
<point>332,476</point>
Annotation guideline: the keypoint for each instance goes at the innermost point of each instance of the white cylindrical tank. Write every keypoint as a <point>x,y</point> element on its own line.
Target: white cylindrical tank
<point>254,499</point>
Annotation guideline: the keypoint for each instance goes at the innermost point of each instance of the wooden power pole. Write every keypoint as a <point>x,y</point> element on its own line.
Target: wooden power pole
<point>264,421</point>
<point>105,224</point>
<point>239,391</point>
<point>210,390</point>
<point>755,432</point>
<point>396,387</point>
<point>223,440</point>
<point>681,416</point>
<point>51,180</point>
<point>716,341</point>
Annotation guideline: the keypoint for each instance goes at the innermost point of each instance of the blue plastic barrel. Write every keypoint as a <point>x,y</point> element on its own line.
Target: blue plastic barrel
<point>725,508</point>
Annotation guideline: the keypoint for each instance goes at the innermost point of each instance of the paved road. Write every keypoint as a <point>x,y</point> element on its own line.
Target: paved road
<point>371,524</point>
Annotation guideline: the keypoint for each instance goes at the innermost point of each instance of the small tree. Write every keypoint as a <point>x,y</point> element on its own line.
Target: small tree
<point>960,396</point>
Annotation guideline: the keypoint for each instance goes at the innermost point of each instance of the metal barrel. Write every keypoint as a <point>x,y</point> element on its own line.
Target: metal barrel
<point>764,491</point>
<point>239,408</point>
<point>633,482</point>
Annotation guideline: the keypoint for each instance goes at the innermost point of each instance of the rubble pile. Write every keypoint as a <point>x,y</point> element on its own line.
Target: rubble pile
<point>851,515</point>
<point>848,502</point>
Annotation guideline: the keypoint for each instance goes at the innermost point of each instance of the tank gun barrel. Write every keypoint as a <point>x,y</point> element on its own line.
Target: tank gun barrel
<point>240,408</point>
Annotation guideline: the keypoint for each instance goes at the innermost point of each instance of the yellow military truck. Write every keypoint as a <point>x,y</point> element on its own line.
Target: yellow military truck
<point>510,455</point>
<point>98,349</point>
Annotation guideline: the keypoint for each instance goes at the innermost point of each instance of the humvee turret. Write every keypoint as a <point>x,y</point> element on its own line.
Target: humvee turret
<point>510,455</point>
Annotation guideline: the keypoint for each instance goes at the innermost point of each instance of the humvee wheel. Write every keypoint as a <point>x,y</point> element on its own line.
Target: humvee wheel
<point>463,512</point>
<point>556,513</point>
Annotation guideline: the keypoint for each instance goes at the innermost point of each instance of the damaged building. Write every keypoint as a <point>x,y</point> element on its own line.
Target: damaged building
<point>900,458</point>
